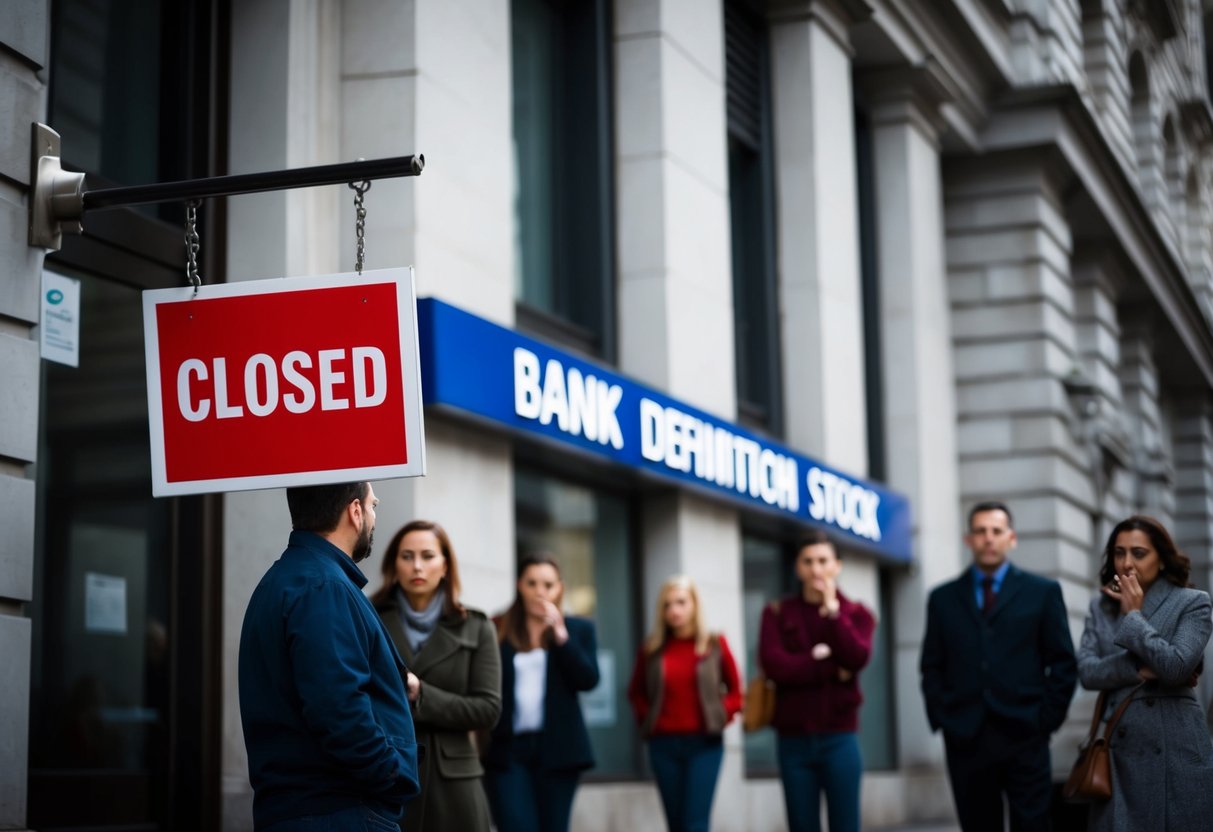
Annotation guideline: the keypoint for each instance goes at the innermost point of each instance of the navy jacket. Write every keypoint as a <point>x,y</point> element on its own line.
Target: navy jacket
<point>326,721</point>
<point>572,667</point>
<point>1016,662</point>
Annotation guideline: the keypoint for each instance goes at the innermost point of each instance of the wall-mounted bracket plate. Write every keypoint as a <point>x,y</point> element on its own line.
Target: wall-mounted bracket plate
<point>57,197</point>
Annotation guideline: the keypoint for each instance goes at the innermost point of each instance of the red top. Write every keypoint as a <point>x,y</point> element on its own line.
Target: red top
<point>681,711</point>
<point>815,695</point>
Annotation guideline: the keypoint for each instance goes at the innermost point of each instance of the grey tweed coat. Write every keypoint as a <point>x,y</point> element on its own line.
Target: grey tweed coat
<point>1162,758</point>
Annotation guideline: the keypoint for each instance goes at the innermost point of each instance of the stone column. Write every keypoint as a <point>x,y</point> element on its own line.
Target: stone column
<point>1107,76</point>
<point>23,32</point>
<point>1153,475</point>
<point>1192,432</point>
<point>1097,414</point>
<point>1013,325</point>
<point>323,82</point>
<point>1192,436</point>
<point>676,298</point>
<point>404,90</point>
<point>920,410</point>
<point>819,271</point>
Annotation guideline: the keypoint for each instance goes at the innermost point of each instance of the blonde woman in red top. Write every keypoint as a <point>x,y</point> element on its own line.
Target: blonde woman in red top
<point>685,689</point>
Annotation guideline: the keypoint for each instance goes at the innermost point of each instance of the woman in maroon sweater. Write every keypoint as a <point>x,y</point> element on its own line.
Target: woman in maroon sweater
<point>812,646</point>
<point>685,689</point>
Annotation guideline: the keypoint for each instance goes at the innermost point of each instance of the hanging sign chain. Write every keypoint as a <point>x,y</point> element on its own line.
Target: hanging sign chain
<point>360,190</point>
<point>191,243</point>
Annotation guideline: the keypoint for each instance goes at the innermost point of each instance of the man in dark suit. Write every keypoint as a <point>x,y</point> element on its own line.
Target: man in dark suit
<point>998,672</point>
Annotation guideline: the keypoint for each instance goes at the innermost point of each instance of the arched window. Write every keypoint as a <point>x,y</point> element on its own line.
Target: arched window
<point>1196,230</point>
<point>1174,203</point>
<point>1141,124</point>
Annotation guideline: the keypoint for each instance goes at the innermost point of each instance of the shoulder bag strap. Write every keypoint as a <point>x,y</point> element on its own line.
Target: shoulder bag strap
<point>1095,715</point>
<point>1111,726</point>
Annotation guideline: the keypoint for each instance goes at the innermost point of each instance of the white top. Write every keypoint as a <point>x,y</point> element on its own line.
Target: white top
<point>530,688</point>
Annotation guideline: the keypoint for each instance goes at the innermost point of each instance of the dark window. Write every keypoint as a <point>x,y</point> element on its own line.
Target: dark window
<point>751,209</point>
<point>562,158</point>
<point>870,287</point>
<point>126,649</point>
<point>589,532</point>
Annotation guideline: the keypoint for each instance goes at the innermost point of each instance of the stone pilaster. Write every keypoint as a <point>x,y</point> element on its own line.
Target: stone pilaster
<point>920,410</point>
<point>23,34</point>
<point>1153,474</point>
<point>819,269</point>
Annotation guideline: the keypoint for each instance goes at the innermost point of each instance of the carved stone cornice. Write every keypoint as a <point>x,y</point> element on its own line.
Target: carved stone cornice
<point>836,17</point>
<point>1055,120</point>
<point>907,95</point>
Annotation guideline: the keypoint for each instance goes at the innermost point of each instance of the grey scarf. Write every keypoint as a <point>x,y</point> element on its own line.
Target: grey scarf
<point>419,624</point>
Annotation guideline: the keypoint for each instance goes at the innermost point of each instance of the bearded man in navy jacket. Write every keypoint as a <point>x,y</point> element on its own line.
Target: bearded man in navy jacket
<point>998,671</point>
<point>326,721</point>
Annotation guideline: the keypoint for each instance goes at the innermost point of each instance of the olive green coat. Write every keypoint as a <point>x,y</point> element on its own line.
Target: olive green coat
<point>460,671</point>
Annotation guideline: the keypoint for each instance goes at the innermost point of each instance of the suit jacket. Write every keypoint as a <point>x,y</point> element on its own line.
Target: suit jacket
<point>1015,663</point>
<point>1162,760</point>
<point>564,743</point>
<point>460,672</point>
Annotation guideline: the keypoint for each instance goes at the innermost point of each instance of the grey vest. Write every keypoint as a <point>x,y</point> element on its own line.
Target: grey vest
<point>710,683</point>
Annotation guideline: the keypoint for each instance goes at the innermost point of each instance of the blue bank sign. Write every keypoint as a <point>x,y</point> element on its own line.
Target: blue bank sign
<point>478,367</point>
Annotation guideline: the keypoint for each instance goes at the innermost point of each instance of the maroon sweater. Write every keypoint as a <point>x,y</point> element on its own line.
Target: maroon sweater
<point>812,696</point>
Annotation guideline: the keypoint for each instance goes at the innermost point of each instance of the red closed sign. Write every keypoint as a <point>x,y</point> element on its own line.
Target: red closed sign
<point>271,383</point>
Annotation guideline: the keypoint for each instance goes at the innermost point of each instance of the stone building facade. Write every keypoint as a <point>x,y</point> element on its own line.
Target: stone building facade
<point>959,250</point>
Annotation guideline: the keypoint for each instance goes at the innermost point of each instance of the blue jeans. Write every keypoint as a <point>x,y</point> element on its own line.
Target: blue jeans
<point>686,767</point>
<point>356,819</point>
<point>813,763</point>
<point>524,797</point>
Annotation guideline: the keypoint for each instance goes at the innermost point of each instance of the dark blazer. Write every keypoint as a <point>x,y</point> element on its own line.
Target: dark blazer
<point>572,667</point>
<point>460,671</point>
<point>1016,663</point>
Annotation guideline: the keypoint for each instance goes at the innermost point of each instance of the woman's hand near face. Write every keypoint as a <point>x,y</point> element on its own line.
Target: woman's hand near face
<point>552,618</point>
<point>1131,596</point>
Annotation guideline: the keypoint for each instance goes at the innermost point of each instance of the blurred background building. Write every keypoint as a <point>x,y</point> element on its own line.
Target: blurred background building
<point>955,250</point>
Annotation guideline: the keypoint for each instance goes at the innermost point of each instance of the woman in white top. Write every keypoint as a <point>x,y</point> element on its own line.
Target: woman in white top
<point>540,746</point>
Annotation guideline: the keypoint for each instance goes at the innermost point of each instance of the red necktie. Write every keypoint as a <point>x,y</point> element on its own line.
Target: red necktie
<point>987,595</point>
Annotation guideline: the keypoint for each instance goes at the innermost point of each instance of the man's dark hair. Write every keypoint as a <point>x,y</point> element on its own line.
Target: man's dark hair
<point>812,538</point>
<point>991,505</point>
<point>318,508</point>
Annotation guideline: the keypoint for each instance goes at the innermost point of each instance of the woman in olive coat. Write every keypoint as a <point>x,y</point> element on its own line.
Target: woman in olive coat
<point>454,678</point>
<point>1148,625</point>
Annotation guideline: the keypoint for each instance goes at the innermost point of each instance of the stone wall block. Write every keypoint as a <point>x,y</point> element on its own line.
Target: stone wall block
<point>18,398</point>
<point>17,541</point>
<point>20,265</point>
<point>21,104</point>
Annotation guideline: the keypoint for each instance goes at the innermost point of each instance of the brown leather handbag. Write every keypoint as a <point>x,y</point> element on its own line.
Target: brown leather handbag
<point>1090,780</point>
<point>759,707</point>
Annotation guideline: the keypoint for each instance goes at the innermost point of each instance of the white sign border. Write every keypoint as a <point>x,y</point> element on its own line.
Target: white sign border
<point>410,368</point>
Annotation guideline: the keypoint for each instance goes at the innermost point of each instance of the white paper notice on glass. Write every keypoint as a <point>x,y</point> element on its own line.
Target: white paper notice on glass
<point>598,705</point>
<point>60,322</point>
<point>104,603</point>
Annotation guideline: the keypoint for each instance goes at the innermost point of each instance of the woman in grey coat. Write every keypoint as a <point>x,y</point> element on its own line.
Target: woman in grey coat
<point>1147,624</point>
<point>454,678</point>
